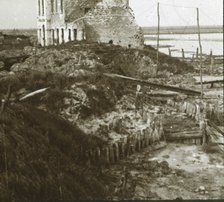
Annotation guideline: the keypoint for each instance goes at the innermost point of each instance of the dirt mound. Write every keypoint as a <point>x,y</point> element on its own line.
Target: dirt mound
<point>43,150</point>
<point>40,154</point>
<point>95,57</point>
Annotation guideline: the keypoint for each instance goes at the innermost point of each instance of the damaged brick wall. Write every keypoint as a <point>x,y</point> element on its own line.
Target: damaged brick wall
<point>75,9</point>
<point>94,20</point>
<point>106,20</point>
<point>113,20</point>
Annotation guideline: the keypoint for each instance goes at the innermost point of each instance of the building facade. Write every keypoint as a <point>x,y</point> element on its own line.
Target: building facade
<point>60,21</point>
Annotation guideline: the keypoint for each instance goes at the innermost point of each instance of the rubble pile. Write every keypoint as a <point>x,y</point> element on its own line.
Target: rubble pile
<point>75,58</point>
<point>103,109</point>
<point>117,125</point>
<point>63,61</point>
<point>84,100</point>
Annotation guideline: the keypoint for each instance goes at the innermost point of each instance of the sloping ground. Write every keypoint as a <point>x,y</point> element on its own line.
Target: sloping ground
<point>173,172</point>
<point>73,56</point>
<point>42,155</point>
<point>42,149</point>
<point>177,171</point>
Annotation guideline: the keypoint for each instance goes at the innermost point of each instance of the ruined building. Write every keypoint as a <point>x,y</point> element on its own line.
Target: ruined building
<point>61,21</point>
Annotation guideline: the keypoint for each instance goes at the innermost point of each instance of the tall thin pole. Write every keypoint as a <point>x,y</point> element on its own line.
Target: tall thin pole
<point>200,46</point>
<point>158,32</point>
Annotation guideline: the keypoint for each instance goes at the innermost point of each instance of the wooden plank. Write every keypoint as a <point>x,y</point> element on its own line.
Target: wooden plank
<point>181,131</point>
<point>193,129</point>
<point>211,81</point>
<point>185,134</point>
<point>184,137</point>
<point>165,87</point>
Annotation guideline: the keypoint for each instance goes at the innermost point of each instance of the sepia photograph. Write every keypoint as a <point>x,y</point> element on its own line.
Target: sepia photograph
<point>111,100</point>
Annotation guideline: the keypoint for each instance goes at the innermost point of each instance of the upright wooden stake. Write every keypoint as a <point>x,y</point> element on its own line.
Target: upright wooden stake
<point>211,53</point>
<point>200,46</point>
<point>197,53</point>
<point>183,55</point>
<point>212,63</point>
<point>158,32</point>
<point>35,53</point>
<point>169,52</point>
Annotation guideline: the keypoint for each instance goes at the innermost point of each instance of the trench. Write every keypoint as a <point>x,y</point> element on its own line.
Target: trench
<point>181,126</point>
<point>176,166</point>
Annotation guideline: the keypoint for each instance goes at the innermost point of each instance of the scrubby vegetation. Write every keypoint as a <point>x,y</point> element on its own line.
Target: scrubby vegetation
<point>42,155</point>
<point>41,147</point>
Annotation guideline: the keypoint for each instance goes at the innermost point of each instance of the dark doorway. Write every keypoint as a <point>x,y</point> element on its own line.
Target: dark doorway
<point>44,39</point>
<point>53,37</point>
<point>62,35</point>
<point>57,36</point>
<point>75,34</point>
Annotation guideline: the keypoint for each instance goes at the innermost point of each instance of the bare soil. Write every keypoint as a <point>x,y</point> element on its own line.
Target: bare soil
<point>80,95</point>
<point>190,169</point>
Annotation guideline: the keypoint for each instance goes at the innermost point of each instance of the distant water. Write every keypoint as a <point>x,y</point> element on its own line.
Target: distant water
<point>189,42</point>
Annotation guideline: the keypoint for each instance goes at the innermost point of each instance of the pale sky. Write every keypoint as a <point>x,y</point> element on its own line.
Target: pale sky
<point>22,13</point>
<point>176,12</point>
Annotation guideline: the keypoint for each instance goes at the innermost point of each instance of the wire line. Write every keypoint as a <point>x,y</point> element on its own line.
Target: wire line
<point>177,6</point>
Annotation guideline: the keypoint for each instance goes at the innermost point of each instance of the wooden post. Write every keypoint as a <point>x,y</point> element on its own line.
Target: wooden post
<point>6,100</point>
<point>106,155</point>
<point>183,55</point>
<point>200,46</point>
<point>203,126</point>
<point>80,59</point>
<point>111,153</point>
<point>35,53</point>
<point>211,53</point>
<point>169,52</point>
<point>2,106</point>
<point>158,32</point>
<point>197,53</point>
<point>212,61</point>
<point>116,151</point>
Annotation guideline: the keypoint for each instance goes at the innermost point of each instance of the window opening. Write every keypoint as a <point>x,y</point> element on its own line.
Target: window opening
<point>62,6</point>
<point>43,7</point>
<point>52,6</point>
<point>62,35</point>
<point>39,8</point>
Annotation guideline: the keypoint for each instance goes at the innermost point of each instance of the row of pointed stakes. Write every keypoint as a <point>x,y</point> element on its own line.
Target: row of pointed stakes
<point>194,111</point>
<point>116,151</point>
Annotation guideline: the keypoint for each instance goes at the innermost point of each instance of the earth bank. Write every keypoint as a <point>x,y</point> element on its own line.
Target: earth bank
<point>81,110</point>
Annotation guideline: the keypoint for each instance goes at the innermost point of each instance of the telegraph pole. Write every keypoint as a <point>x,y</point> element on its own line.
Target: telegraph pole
<point>200,47</point>
<point>158,32</point>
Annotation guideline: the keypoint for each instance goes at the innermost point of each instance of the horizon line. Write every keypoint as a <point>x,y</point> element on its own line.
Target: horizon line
<point>143,26</point>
